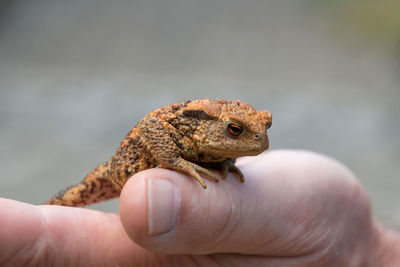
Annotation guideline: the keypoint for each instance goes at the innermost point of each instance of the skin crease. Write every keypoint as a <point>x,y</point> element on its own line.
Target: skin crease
<point>296,208</point>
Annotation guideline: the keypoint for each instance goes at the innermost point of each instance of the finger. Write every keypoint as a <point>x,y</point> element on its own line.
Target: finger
<point>17,231</point>
<point>284,193</point>
<point>55,236</point>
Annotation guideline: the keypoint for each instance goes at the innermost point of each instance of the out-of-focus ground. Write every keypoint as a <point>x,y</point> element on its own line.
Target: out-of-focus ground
<point>75,76</point>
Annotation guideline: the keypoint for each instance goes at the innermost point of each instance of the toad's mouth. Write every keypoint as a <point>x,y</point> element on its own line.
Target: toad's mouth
<point>239,151</point>
<point>235,153</point>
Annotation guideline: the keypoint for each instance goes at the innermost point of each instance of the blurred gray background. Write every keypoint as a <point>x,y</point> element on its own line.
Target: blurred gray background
<point>75,76</point>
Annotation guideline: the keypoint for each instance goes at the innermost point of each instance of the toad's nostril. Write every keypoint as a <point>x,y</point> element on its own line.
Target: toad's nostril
<point>256,136</point>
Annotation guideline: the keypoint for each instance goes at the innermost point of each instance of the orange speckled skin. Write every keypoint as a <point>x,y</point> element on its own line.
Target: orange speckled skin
<point>181,136</point>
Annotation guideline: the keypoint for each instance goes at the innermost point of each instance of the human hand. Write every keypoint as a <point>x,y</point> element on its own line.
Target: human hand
<point>295,209</point>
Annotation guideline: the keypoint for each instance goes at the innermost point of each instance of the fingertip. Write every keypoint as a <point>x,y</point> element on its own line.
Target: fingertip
<point>166,211</point>
<point>150,205</point>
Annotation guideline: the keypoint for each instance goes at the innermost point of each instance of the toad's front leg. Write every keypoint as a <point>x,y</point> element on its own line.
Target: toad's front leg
<point>226,166</point>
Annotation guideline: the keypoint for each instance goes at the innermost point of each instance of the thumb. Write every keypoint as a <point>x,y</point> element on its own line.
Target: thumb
<point>166,211</point>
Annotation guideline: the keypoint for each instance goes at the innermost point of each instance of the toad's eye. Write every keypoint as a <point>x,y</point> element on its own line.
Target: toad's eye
<point>234,129</point>
<point>269,125</point>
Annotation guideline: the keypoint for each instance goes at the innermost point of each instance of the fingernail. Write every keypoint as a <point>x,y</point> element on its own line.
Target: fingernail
<point>164,201</point>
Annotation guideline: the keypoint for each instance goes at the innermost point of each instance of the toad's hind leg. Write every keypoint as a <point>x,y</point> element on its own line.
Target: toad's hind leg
<point>169,146</point>
<point>94,188</point>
